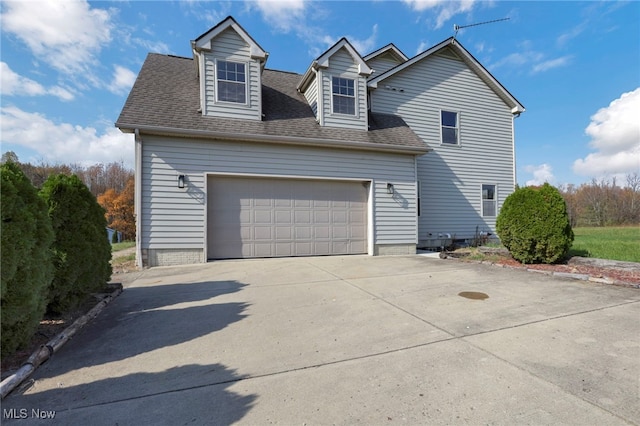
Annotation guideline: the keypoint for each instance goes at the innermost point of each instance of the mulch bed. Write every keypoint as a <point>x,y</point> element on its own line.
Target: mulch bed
<point>611,274</point>
<point>616,275</point>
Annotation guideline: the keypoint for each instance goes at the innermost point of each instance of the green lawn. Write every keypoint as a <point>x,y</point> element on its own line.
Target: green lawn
<point>613,242</point>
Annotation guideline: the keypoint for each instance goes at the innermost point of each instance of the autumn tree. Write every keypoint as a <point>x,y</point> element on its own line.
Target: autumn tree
<point>119,209</point>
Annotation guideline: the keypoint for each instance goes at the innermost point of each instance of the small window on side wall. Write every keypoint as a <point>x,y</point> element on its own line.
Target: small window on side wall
<point>489,201</point>
<point>449,128</point>
<point>231,82</point>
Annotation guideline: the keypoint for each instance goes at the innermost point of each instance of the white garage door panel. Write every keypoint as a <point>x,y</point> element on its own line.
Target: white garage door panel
<point>262,217</point>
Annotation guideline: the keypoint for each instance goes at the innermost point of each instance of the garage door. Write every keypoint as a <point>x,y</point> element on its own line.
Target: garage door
<point>264,217</point>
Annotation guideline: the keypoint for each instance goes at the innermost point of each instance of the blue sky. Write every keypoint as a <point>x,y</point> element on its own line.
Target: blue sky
<point>67,67</point>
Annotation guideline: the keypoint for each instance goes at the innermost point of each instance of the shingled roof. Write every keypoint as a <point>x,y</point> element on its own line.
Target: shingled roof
<point>165,100</point>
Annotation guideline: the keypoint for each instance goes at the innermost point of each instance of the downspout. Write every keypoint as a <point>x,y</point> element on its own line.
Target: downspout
<point>513,147</point>
<point>202,77</point>
<point>320,88</point>
<point>415,177</point>
<point>137,203</point>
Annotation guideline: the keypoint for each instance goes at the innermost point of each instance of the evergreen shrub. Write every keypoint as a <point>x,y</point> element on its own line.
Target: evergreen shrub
<point>81,249</point>
<point>27,268</point>
<point>534,226</point>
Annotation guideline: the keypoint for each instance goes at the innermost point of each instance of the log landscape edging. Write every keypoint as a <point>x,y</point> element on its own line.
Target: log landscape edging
<point>44,352</point>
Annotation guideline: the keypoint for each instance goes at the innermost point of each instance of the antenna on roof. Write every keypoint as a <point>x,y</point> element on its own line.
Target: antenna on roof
<point>457,27</point>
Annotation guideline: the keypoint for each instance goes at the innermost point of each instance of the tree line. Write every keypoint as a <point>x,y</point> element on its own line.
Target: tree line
<point>604,202</point>
<point>112,184</point>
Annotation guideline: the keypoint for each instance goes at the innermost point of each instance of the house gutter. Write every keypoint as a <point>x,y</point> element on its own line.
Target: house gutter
<point>289,140</point>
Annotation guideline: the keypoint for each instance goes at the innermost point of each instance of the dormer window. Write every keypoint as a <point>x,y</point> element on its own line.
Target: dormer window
<point>344,96</point>
<point>231,80</point>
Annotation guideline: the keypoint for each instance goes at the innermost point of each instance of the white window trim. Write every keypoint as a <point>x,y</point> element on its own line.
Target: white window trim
<point>246,83</point>
<point>495,199</point>
<point>356,110</point>
<point>458,116</point>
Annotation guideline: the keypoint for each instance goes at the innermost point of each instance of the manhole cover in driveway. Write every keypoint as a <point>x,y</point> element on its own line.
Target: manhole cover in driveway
<point>473,295</point>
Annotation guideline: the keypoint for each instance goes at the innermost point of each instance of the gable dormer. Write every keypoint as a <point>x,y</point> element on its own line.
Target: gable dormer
<point>229,64</point>
<point>335,86</point>
<point>385,58</point>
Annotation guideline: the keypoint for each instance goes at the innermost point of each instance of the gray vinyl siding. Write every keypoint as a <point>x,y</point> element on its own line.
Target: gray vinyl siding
<point>175,218</point>
<point>380,64</point>
<point>451,176</point>
<point>311,95</point>
<point>229,46</point>
<point>341,64</point>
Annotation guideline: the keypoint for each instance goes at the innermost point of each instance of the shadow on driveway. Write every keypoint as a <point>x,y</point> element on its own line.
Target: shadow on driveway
<point>144,319</point>
<point>117,345</point>
<point>178,403</point>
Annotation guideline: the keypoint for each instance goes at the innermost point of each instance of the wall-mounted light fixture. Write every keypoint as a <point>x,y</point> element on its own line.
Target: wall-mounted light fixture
<point>181,181</point>
<point>390,188</point>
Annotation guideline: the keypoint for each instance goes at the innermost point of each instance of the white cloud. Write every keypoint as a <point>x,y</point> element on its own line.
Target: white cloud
<point>13,84</point>
<point>572,33</point>
<point>541,174</point>
<point>61,92</point>
<point>367,45</point>
<point>65,34</point>
<point>123,79</point>
<point>152,46</point>
<point>206,10</point>
<point>282,14</point>
<point>531,59</point>
<point>525,56</point>
<point>64,142</point>
<point>446,9</point>
<point>552,63</point>
<point>615,135</point>
<point>421,47</point>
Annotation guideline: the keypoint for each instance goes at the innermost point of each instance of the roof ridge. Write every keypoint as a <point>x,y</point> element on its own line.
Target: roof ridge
<point>168,55</point>
<point>283,71</point>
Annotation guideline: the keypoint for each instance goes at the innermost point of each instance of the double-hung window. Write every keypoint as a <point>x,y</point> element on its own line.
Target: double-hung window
<point>489,201</point>
<point>231,82</point>
<point>449,122</point>
<point>344,96</point>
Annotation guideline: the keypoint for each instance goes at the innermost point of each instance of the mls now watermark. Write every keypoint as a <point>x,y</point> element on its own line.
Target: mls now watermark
<point>23,413</point>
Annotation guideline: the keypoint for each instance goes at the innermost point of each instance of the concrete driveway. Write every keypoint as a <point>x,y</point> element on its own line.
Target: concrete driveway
<point>344,340</point>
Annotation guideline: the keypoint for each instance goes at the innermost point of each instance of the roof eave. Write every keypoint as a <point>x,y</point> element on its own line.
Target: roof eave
<point>388,48</point>
<point>288,140</point>
<point>307,78</point>
<point>203,42</point>
<point>323,60</point>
